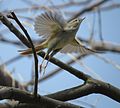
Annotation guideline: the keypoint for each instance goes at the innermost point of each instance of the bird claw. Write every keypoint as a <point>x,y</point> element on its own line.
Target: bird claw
<point>40,69</point>
<point>43,68</point>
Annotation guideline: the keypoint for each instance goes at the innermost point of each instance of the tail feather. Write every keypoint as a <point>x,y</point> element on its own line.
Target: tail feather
<point>29,50</point>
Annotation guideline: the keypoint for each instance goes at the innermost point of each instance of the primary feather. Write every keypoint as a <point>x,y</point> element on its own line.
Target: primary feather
<point>48,23</point>
<point>77,47</point>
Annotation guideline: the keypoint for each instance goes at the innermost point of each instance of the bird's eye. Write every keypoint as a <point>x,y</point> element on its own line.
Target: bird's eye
<point>76,20</point>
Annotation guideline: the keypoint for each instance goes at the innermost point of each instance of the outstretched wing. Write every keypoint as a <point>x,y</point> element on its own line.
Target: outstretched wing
<point>77,47</point>
<point>49,23</point>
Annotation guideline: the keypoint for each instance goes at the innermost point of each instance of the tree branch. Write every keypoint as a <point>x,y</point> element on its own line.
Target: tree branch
<point>91,86</point>
<point>25,97</point>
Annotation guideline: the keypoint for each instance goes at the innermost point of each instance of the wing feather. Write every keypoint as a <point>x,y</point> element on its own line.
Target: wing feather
<point>49,23</point>
<point>77,47</point>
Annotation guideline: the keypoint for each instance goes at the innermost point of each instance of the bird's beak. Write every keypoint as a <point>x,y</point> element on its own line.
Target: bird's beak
<point>82,19</point>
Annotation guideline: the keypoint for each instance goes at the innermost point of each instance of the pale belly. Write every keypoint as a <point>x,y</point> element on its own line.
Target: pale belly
<point>60,41</point>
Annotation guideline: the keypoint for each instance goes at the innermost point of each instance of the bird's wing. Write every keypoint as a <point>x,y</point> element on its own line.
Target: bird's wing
<point>49,23</point>
<point>77,47</point>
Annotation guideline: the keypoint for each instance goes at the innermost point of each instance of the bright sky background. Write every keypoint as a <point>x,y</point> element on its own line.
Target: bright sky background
<point>22,68</point>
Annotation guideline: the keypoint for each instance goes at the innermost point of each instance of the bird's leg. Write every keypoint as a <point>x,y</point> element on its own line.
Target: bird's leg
<point>46,64</point>
<point>43,62</point>
<point>48,52</point>
<point>51,55</point>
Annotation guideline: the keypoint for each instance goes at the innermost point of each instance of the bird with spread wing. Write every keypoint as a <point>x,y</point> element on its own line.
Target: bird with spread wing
<point>59,35</point>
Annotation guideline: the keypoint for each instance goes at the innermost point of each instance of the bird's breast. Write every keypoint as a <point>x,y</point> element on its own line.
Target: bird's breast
<point>58,42</point>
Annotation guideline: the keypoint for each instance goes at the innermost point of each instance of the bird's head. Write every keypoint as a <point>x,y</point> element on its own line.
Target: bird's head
<point>74,24</point>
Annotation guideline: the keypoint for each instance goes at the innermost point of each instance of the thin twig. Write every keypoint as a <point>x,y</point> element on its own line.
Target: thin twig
<point>88,9</point>
<point>100,24</point>
<point>34,52</point>
<point>109,61</point>
<point>12,60</point>
<point>92,29</point>
<point>8,41</point>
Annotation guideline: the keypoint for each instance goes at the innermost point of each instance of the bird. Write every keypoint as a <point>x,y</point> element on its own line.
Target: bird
<point>59,35</point>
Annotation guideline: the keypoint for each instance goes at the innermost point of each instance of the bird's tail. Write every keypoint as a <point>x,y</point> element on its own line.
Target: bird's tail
<point>37,49</point>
